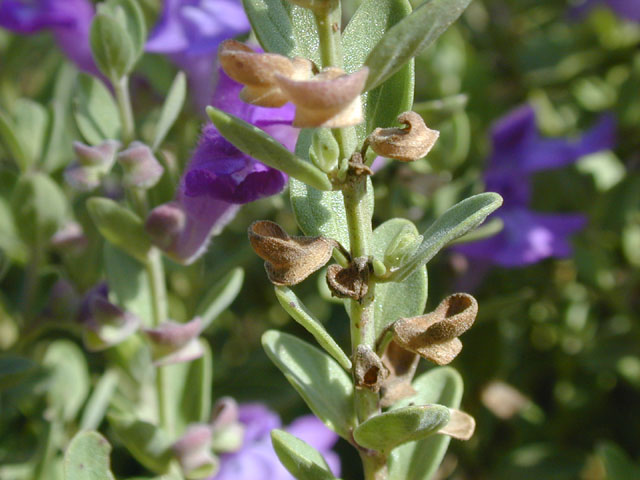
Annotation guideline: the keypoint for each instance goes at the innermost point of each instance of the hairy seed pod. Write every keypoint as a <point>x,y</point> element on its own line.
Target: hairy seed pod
<point>405,144</point>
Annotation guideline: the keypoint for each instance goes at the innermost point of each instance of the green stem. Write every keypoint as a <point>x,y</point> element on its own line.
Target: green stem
<point>330,36</point>
<point>121,88</point>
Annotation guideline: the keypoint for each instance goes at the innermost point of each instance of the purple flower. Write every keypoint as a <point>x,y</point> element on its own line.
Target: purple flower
<point>629,9</point>
<point>519,152</point>
<point>256,459</point>
<point>219,178</point>
<point>68,20</point>
<point>189,31</point>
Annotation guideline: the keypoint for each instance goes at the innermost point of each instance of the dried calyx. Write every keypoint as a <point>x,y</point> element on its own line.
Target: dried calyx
<point>369,371</point>
<point>350,282</point>
<point>288,260</point>
<point>405,144</point>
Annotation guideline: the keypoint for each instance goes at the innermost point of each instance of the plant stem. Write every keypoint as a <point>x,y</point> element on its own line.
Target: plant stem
<point>121,88</point>
<point>329,34</point>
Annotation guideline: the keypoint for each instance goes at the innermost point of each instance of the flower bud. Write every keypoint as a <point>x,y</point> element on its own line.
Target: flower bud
<point>107,324</point>
<point>288,260</point>
<point>434,336</point>
<point>228,431</point>
<point>324,151</point>
<point>193,451</point>
<point>256,71</point>
<point>91,165</point>
<point>404,144</point>
<point>351,282</point>
<point>141,169</point>
<point>70,239</point>
<point>174,342</point>
<point>63,302</point>
<point>403,244</point>
<point>164,224</point>
<point>330,99</point>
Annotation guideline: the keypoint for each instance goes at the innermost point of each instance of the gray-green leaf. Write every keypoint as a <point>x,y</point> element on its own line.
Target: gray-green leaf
<point>87,458</point>
<point>302,460</point>
<point>387,431</point>
<point>220,296</point>
<point>409,36</point>
<point>321,382</point>
<point>256,143</point>
<point>95,111</point>
<point>455,222</point>
<point>170,109</point>
<point>294,307</point>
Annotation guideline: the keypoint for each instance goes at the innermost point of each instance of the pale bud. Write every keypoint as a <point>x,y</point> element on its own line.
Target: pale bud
<point>434,336</point>
<point>288,260</point>
<point>193,451</point>
<point>330,99</point>
<point>91,165</point>
<point>107,324</point>
<point>228,431</point>
<point>404,144</point>
<point>164,224</point>
<point>256,71</point>
<point>174,342</point>
<point>141,169</point>
<point>70,239</point>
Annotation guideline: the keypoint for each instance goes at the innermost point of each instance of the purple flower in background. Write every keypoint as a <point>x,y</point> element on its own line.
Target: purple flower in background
<point>189,31</point>
<point>629,9</point>
<point>68,20</point>
<point>219,178</point>
<point>256,459</point>
<point>519,152</point>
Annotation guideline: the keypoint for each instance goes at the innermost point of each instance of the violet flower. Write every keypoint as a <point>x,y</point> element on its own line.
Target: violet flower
<point>629,9</point>
<point>68,20</point>
<point>256,459</point>
<point>519,152</point>
<point>189,32</point>
<point>219,178</point>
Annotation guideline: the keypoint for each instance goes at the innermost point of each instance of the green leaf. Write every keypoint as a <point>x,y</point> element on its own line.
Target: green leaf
<point>188,390</point>
<point>256,143</point>
<point>393,300</point>
<point>68,383</point>
<point>294,307</point>
<point>220,296</point>
<point>9,138</point>
<point>489,229</point>
<point>111,46</point>
<point>617,463</point>
<point>30,126</point>
<point>87,458</point>
<point>56,151</point>
<point>368,25</point>
<point>388,430</point>
<point>455,222</point>
<point>146,442</point>
<point>95,111</point>
<point>320,381</point>
<point>128,283</point>
<point>98,402</point>
<point>10,243</point>
<point>120,226</point>
<point>131,18</point>
<point>409,36</point>
<point>40,207</point>
<point>419,460</point>
<point>170,109</point>
<point>302,460</point>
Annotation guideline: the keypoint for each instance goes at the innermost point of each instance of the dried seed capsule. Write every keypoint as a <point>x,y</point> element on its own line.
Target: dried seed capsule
<point>404,144</point>
<point>351,282</point>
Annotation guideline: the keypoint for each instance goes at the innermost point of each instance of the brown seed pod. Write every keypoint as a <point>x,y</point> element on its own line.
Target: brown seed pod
<point>369,371</point>
<point>288,260</point>
<point>405,144</point>
<point>351,282</point>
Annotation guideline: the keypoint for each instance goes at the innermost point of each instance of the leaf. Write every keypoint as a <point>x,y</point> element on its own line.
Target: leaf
<point>95,111</point>
<point>131,18</point>
<point>111,46</point>
<point>146,442</point>
<point>220,296</point>
<point>30,126</point>
<point>120,226</point>
<point>388,430</point>
<point>68,383</point>
<point>55,155</point>
<point>10,141</point>
<point>419,460</point>
<point>99,401</point>
<point>256,143</point>
<point>128,283</point>
<point>409,36</point>
<point>302,460</point>
<point>455,222</point>
<point>394,300</point>
<point>87,458</point>
<point>320,381</point>
<point>170,109</point>
<point>368,25</point>
<point>617,463</point>
<point>294,307</point>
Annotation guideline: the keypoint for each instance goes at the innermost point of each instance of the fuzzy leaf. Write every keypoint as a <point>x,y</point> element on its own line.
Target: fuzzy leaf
<point>419,460</point>
<point>455,222</point>
<point>410,36</point>
<point>95,111</point>
<point>294,307</point>
<point>30,126</point>
<point>256,143</point>
<point>87,458</point>
<point>170,109</point>
<point>302,460</point>
<point>617,463</point>
<point>320,381</point>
